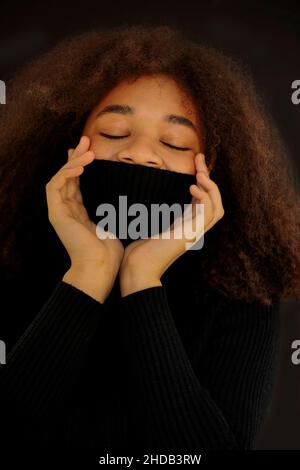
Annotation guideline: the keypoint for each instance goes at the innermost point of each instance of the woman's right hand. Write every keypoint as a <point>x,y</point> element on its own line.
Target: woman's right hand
<point>94,262</point>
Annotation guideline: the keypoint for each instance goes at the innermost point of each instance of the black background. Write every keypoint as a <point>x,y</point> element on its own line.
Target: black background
<point>264,36</point>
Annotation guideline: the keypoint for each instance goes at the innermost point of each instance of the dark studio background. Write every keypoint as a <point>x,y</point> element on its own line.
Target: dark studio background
<point>264,36</point>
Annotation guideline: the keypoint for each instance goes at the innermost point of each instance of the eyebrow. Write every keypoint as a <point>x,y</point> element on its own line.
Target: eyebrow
<point>128,110</point>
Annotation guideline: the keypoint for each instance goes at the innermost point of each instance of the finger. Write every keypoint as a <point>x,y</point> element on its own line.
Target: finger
<point>199,199</point>
<point>212,189</point>
<point>69,190</point>
<point>200,166</point>
<point>70,153</point>
<point>200,163</point>
<point>201,196</point>
<point>198,192</point>
<point>57,182</point>
<point>83,159</point>
<point>205,182</point>
<point>82,147</point>
<point>65,188</point>
<point>204,196</point>
<point>72,186</point>
<point>60,178</point>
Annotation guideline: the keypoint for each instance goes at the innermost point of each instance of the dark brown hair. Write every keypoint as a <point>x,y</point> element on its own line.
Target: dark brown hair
<point>253,252</point>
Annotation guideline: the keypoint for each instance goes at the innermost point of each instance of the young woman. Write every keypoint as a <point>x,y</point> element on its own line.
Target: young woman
<point>141,345</point>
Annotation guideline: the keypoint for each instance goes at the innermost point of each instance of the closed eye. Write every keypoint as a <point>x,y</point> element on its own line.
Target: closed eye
<point>113,136</point>
<point>107,136</point>
<point>177,148</point>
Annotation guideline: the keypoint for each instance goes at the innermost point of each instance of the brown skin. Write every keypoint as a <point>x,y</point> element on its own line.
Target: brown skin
<point>152,97</point>
<point>95,263</point>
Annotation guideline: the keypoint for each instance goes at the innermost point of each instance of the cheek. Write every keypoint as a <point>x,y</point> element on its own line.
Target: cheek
<point>101,149</point>
<point>181,163</point>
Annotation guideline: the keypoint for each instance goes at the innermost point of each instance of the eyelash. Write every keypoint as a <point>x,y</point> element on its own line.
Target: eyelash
<point>184,149</point>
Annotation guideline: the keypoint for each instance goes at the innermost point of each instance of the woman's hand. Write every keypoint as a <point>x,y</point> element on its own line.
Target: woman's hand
<point>145,261</point>
<point>94,262</point>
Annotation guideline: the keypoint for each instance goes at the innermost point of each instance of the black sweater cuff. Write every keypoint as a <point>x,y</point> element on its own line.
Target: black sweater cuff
<point>48,357</point>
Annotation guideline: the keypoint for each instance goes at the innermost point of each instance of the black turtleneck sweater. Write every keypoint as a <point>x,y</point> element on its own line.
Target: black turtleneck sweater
<point>175,368</point>
<point>170,368</point>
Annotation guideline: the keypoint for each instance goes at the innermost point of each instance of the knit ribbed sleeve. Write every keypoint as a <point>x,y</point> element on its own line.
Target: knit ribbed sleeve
<point>219,405</point>
<point>42,366</point>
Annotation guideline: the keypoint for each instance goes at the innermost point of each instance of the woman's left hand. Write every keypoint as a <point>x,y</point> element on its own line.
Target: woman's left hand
<point>145,261</point>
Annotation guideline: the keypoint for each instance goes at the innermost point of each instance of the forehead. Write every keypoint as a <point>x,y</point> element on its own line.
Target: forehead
<point>160,91</point>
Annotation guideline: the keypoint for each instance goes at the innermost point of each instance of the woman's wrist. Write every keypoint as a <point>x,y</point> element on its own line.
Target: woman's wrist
<point>90,279</point>
<point>133,279</point>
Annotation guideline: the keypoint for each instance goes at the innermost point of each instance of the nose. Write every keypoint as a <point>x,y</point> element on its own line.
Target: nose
<point>140,155</point>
